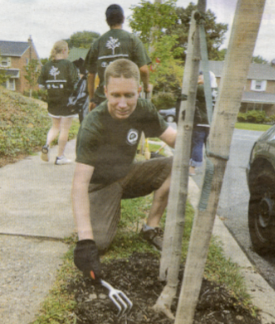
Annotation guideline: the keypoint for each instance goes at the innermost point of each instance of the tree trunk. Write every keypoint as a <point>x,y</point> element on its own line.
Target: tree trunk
<point>176,205</point>
<point>171,254</point>
<point>242,41</point>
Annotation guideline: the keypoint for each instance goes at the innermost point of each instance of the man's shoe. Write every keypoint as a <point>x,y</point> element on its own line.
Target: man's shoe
<point>62,160</point>
<point>45,156</point>
<point>154,235</point>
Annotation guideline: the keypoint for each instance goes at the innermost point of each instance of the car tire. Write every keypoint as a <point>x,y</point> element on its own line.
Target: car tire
<point>261,212</point>
<point>170,119</point>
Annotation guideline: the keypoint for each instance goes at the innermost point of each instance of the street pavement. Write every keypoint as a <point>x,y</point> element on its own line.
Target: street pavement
<point>36,216</point>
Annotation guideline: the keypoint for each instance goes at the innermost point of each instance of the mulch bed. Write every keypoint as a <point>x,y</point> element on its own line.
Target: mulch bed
<point>137,277</point>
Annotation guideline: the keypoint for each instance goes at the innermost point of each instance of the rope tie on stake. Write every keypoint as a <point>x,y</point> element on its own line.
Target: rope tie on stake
<point>208,177</point>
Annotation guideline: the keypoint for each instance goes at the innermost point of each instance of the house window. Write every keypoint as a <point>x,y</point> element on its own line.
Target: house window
<point>5,61</point>
<point>254,106</point>
<point>258,106</point>
<point>258,85</point>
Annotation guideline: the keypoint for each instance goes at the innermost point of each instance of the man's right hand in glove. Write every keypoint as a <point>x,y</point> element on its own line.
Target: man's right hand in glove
<point>86,259</point>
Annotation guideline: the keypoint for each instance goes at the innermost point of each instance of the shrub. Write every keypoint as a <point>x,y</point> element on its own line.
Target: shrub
<point>40,94</point>
<point>241,117</point>
<point>252,116</point>
<point>255,116</point>
<point>164,100</point>
<point>270,119</point>
<point>23,124</point>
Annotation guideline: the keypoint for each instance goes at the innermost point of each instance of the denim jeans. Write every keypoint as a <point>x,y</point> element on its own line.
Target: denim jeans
<point>199,137</point>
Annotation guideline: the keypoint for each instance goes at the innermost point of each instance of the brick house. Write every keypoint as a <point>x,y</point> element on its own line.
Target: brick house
<point>259,91</point>
<point>13,57</point>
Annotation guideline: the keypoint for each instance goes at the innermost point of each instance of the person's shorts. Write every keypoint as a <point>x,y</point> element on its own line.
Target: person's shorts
<point>142,179</point>
<point>59,110</point>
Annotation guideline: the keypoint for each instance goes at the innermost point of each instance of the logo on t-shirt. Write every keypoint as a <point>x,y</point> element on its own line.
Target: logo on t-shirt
<point>112,43</point>
<point>54,71</point>
<point>132,136</point>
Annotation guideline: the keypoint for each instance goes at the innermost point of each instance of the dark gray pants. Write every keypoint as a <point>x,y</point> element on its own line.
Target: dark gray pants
<point>142,179</point>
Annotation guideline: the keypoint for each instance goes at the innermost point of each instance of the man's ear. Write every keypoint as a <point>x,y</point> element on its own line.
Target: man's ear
<point>105,91</point>
<point>139,89</point>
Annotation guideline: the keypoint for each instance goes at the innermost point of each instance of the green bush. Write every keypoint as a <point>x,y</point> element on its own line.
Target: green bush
<point>23,124</point>
<point>241,117</point>
<point>255,116</point>
<point>40,94</point>
<point>252,116</point>
<point>270,119</point>
<point>164,100</point>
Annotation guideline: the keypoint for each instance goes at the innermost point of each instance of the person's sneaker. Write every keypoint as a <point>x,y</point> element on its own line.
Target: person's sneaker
<point>62,160</point>
<point>154,235</point>
<point>45,156</point>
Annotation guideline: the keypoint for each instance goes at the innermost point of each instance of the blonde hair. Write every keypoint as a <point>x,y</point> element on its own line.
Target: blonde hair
<point>122,68</point>
<point>58,47</point>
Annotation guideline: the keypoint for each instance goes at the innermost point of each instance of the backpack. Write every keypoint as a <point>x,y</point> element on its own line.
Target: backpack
<point>79,99</point>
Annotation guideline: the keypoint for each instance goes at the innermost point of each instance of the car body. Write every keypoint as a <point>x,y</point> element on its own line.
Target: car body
<point>260,174</point>
<point>168,114</point>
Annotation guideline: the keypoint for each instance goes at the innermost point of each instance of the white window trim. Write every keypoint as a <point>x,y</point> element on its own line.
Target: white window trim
<point>254,85</point>
<point>6,59</point>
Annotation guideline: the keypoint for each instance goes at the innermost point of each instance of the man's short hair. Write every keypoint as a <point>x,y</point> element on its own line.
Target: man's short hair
<point>114,15</point>
<point>122,68</point>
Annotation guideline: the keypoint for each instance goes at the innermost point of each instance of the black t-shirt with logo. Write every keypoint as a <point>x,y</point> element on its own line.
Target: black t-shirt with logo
<point>59,78</point>
<point>110,145</point>
<point>113,45</point>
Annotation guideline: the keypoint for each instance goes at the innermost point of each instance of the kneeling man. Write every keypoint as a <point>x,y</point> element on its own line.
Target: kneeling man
<point>105,171</point>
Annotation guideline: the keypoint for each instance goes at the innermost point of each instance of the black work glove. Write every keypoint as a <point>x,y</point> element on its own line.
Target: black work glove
<point>87,260</point>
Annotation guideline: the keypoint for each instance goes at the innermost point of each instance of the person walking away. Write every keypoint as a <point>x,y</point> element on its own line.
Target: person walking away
<point>58,77</point>
<point>115,44</point>
<point>105,169</point>
<point>201,124</point>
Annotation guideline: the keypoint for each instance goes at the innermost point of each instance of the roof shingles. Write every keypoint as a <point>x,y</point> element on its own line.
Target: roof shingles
<point>256,71</point>
<point>9,48</point>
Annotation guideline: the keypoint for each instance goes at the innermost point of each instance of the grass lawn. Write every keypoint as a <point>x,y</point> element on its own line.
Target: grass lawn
<point>256,127</point>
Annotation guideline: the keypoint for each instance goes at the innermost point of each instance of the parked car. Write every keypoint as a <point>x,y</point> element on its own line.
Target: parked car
<point>261,182</point>
<point>168,114</point>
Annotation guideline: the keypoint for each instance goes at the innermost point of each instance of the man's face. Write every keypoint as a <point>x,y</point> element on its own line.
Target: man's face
<point>122,95</point>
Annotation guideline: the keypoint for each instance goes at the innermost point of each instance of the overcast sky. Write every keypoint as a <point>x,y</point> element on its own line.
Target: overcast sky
<point>50,20</point>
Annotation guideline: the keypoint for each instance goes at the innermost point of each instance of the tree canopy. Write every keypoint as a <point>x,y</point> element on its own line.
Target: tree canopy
<point>82,39</point>
<point>170,20</point>
<point>259,59</point>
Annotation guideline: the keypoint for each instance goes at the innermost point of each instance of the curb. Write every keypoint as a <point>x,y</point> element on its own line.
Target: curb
<point>262,295</point>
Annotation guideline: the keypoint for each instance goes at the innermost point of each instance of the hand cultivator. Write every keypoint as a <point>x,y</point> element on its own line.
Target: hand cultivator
<point>121,301</point>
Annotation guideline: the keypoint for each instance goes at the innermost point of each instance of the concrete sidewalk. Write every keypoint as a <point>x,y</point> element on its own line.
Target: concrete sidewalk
<point>36,215</point>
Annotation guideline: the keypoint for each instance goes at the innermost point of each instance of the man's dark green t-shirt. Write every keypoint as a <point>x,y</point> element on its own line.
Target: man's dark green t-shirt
<point>110,145</point>
<point>113,45</point>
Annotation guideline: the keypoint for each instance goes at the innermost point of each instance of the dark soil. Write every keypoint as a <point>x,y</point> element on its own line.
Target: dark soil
<point>137,277</point>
